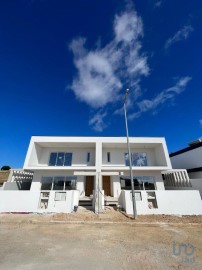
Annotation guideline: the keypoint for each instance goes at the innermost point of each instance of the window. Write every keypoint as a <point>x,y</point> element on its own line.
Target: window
<point>140,183</point>
<point>60,159</point>
<point>108,157</point>
<point>58,183</point>
<point>149,183</point>
<point>88,157</point>
<point>46,183</point>
<point>70,183</point>
<point>60,196</point>
<point>68,159</point>
<point>138,159</point>
<point>53,158</point>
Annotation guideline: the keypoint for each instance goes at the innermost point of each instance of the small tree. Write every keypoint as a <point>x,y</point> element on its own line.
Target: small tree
<point>5,168</point>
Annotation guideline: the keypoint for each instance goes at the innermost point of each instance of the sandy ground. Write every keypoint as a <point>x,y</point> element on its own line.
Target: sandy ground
<point>84,240</point>
<point>109,215</point>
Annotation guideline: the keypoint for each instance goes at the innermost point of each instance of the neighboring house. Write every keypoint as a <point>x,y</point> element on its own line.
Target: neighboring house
<point>189,158</point>
<point>63,172</point>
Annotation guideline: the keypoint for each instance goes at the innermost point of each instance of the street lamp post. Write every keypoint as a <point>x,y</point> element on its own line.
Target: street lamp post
<point>129,157</point>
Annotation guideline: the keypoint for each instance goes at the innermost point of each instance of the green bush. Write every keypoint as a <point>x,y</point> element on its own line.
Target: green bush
<point>5,168</point>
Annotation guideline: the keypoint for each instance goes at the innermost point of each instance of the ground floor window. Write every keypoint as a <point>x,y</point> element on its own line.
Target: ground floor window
<point>140,183</point>
<point>46,183</point>
<point>58,183</point>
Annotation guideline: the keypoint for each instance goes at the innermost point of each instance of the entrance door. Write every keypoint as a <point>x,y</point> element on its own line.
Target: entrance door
<point>89,185</point>
<point>106,185</point>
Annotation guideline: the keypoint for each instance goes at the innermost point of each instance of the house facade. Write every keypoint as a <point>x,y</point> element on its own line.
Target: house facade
<point>189,158</point>
<point>90,162</point>
<point>60,173</point>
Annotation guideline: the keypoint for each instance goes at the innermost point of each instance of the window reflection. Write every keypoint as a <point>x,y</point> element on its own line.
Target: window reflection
<point>46,183</point>
<point>58,183</point>
<point>53,158</point>
<point>138,159</point>
<point>68,159</point>
<point>60,159</point>
<point>140,183</point>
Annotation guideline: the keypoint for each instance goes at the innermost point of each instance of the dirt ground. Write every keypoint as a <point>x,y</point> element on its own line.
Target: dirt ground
<point>111,240</point>
<point>109,215</point>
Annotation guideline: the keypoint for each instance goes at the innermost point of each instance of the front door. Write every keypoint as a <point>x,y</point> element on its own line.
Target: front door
<point>106,185</point>
<point>89,185</point>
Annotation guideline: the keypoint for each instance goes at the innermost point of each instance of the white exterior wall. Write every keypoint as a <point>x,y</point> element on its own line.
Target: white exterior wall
<point>160,155</point>
<point>170,202</point>
<point>39,150</point>
<point>197,184</point>
<point>188,160</point>
<point>195,175</point>
<point>28,201</point>
<point>118,156</point>
<point>81,185</point>
<point>115,186</point>
<point>35,155</point>
<point>79,156</point>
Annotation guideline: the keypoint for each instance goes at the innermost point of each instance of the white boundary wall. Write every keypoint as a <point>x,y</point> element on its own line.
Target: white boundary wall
<point>197,184</point>
<point>28,201</point>
<point>170,202</point>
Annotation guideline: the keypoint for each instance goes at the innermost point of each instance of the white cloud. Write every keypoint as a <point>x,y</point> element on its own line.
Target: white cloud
<point>164,96</point>
<point>97,121</point>
<point>182,34</point>
<point>100,72</point>
<point>200,122</point>
<point>127,27</point>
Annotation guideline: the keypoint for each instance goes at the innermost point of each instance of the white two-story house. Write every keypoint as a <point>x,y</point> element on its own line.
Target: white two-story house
<point>86,162</point>
<point>70,170</point>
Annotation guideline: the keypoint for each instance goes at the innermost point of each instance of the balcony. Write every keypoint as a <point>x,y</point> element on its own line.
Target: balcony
<point>145,156</point>
<point>62,156</point>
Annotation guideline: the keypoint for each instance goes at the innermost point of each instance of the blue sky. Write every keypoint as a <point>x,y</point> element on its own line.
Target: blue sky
<point>65,65</point>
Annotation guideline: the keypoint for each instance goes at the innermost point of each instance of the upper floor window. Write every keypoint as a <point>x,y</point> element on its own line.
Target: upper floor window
<point>138,159</point>
<point>108,157</point>
<point>60,159</point>
<point>88,157</point>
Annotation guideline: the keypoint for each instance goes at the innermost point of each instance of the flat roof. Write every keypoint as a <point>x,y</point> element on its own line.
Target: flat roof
<point>187,149</point>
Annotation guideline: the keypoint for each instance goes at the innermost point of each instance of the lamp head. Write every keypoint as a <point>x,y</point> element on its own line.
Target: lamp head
<point>127,91</point>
